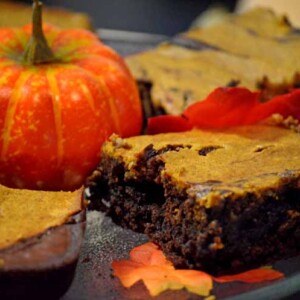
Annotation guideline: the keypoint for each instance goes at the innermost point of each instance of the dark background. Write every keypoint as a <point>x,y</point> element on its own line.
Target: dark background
<point>166,17</point>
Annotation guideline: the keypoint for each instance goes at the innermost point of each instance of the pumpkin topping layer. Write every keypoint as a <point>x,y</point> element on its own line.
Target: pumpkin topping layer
<point>26,213</point>
<point>238,161</point>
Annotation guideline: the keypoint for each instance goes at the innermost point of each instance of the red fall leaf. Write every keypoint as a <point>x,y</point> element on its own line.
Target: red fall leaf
<point>252,276</point>
<point>228,107</point>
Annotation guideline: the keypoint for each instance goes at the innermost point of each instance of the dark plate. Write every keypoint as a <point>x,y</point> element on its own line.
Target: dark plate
<point>106,242</point>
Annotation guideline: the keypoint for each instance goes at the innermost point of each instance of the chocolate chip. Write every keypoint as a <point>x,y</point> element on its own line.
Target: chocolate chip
<point>205,150</point>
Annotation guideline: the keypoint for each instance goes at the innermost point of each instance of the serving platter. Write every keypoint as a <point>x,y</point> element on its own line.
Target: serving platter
<point>105,241</point>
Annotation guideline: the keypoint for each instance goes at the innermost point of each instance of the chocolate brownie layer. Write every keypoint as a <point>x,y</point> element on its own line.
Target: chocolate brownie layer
<point>218,201</point>
<point>149,110</point>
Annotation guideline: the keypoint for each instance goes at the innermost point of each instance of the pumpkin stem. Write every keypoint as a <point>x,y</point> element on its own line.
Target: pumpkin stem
<point>38,50</point>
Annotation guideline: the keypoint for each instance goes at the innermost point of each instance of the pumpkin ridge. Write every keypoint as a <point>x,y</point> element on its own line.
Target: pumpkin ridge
<point>71,36</point>
<point>55,97</point>
<point>65,47</point>
<point>106,91</point>
<point>112,104</point>
<point>4,62</point>
<point>86,91</point>
<point>51,37</point>
<point>4,50</point>
<point>21,38</point>
<point>4,77</point>
<point>133,85</point>
<point>118,69</point>
<point>10,43</point>
<point>73,56</point>
<point>11,109</point>
<point>69,50</point>
<point>114,65</point>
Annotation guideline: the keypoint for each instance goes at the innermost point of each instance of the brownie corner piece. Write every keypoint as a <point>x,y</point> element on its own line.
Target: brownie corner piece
<point>220,201</point>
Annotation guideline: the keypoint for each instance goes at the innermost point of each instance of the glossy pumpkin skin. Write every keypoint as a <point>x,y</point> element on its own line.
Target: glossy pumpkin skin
<point>55,117</point>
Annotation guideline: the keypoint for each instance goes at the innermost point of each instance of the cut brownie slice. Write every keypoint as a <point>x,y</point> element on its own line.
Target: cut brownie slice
<point>218,201</point>
<point>40,238</point>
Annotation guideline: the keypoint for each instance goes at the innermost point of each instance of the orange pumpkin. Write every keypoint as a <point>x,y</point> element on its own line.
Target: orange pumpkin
<point>60,99</point>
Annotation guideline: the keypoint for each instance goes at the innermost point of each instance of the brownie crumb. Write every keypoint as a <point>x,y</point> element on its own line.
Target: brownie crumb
<point>233,83</point>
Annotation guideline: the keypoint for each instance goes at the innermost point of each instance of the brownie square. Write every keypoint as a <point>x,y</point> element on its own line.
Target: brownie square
<point>220,201</point>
